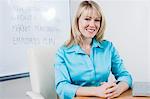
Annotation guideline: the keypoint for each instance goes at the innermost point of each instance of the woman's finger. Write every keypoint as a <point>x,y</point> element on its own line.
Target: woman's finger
<point>112,89</point>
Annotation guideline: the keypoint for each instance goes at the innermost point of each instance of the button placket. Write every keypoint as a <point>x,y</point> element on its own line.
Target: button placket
<point>92,58</point>
<point>90,66</point>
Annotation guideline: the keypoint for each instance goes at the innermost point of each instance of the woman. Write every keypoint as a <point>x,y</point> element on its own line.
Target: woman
<point>84,62</point>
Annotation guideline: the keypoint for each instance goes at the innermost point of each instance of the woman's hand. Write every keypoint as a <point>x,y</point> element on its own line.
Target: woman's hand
<point>106,90</point>
<point>116,90</point>
<point>100,91</point>
<point>113,92</point>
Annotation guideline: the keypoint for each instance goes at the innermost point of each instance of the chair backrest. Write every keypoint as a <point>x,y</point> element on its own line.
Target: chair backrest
<point>41,61</point>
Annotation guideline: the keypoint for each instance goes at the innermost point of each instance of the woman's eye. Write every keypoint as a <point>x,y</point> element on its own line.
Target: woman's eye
<point>87,19</point>
<point>97,20</point>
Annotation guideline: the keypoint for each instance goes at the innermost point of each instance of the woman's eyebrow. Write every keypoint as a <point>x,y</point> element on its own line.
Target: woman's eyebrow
<point>87,16</point>
<point>98,17</point>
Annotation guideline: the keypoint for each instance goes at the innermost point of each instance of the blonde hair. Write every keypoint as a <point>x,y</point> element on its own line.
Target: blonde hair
<point>76,36</point>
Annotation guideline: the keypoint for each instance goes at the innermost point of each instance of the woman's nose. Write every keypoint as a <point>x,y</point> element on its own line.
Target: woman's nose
<point>92,23</point>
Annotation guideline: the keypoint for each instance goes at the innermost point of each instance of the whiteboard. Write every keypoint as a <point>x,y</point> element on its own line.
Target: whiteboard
<point>30,23</point>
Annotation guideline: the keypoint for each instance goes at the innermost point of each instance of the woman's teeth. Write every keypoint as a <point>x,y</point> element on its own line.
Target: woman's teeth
<point>90,30</point>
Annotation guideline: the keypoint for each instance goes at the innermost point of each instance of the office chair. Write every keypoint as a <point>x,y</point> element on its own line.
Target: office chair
<point>41,70</point>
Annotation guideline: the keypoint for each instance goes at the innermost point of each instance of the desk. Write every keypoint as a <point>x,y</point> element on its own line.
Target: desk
<point>125,95</point>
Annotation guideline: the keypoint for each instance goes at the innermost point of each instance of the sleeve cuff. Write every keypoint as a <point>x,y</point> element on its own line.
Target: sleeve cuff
<point>125,79</point>
<point>67,91</point>
<point>72,90</point>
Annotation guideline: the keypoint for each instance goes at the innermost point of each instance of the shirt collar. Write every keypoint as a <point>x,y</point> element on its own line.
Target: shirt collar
<point>76,48</point>
<point>96,43</point>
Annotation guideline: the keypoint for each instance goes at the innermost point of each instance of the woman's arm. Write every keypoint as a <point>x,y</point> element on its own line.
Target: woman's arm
<point>86,91</point>
<point>118,69</point>
<point>123,86</point>
<point>64,87</point>
<point>117,90</point>
<point>99,91</point>
<point>120,73</point>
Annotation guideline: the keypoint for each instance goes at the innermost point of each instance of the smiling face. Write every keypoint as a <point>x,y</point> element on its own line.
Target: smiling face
<point>89,23</point>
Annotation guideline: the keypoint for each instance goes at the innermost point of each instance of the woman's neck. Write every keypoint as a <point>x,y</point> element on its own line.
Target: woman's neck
<point>86,44</point>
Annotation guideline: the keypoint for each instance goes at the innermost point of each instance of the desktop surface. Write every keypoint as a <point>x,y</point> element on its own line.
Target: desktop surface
<point>125,95</point>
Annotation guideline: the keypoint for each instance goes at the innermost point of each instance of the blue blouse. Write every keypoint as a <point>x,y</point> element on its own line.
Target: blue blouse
<point>74,68</point>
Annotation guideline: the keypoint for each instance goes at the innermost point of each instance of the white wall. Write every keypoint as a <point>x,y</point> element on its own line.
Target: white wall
<point>149,43</point>
<point>128,27</point>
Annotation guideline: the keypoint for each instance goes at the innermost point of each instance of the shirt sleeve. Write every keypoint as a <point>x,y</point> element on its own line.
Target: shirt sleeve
<point>64,88</point>
<point>118,69</point>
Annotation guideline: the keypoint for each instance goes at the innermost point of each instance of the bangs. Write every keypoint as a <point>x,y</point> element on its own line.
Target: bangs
<point>89,10</point>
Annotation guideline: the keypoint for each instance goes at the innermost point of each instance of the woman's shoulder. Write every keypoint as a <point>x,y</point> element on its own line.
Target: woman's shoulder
<point>64,48</point>
<point>61,48</point>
